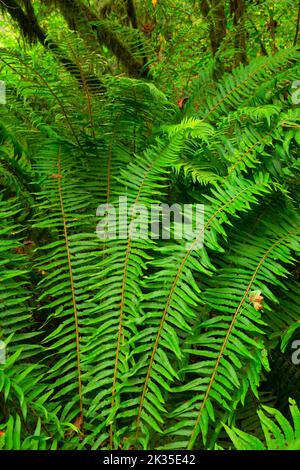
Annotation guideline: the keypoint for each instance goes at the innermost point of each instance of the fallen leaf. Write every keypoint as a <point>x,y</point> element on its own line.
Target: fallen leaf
<point>147,28</point>
<point>181,102</point>
<point>54,175</point>
<point>77,423</point>
<point>29,242</point>
<point>256,299</point>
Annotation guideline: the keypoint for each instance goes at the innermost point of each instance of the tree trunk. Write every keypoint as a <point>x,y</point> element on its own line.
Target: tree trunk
<point>237,10</point>
<point>215,13</point>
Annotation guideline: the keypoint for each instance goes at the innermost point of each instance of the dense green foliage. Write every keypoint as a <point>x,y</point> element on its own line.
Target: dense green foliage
<point>144,343</point>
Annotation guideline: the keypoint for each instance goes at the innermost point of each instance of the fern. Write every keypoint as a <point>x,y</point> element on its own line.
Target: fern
<point>140,342</point>
<point>278,432</point>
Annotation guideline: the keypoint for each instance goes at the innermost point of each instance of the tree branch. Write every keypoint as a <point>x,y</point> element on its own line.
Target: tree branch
<point>82,19</point>
<point>31,30</point>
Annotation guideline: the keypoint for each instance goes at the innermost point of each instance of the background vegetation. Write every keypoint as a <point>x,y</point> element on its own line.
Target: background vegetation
<point>143,344</point>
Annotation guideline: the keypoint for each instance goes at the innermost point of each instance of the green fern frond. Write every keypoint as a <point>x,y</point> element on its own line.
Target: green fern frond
<point>279,434</point>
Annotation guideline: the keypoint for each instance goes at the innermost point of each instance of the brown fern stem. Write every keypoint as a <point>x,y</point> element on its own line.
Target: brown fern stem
<point>169,298</point>
<point>123,287</point>
<point>229,331</point>
<point>65,226</point>
<point>251,75</point>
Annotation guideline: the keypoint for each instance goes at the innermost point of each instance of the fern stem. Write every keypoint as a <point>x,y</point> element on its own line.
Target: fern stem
<point>55,96</point>
<point>227,336</point>
<point>251,75</point>
<point>86,91</point>
<point>244,155</point>
<point>122,304</point>
<point>169,298</point>
<point>59,176</point>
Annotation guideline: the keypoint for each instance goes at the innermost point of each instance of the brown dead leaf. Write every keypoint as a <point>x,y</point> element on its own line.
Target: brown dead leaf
<point>55,175</point>
<point>256,299</point>
<point>147,28</point>
<point>77,423</point>
<point>181,102</point>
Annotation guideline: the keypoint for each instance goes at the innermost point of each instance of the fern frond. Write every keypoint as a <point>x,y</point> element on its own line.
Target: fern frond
<point>279,434</point>
<point>237,88</point>
<point>254,270</point>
